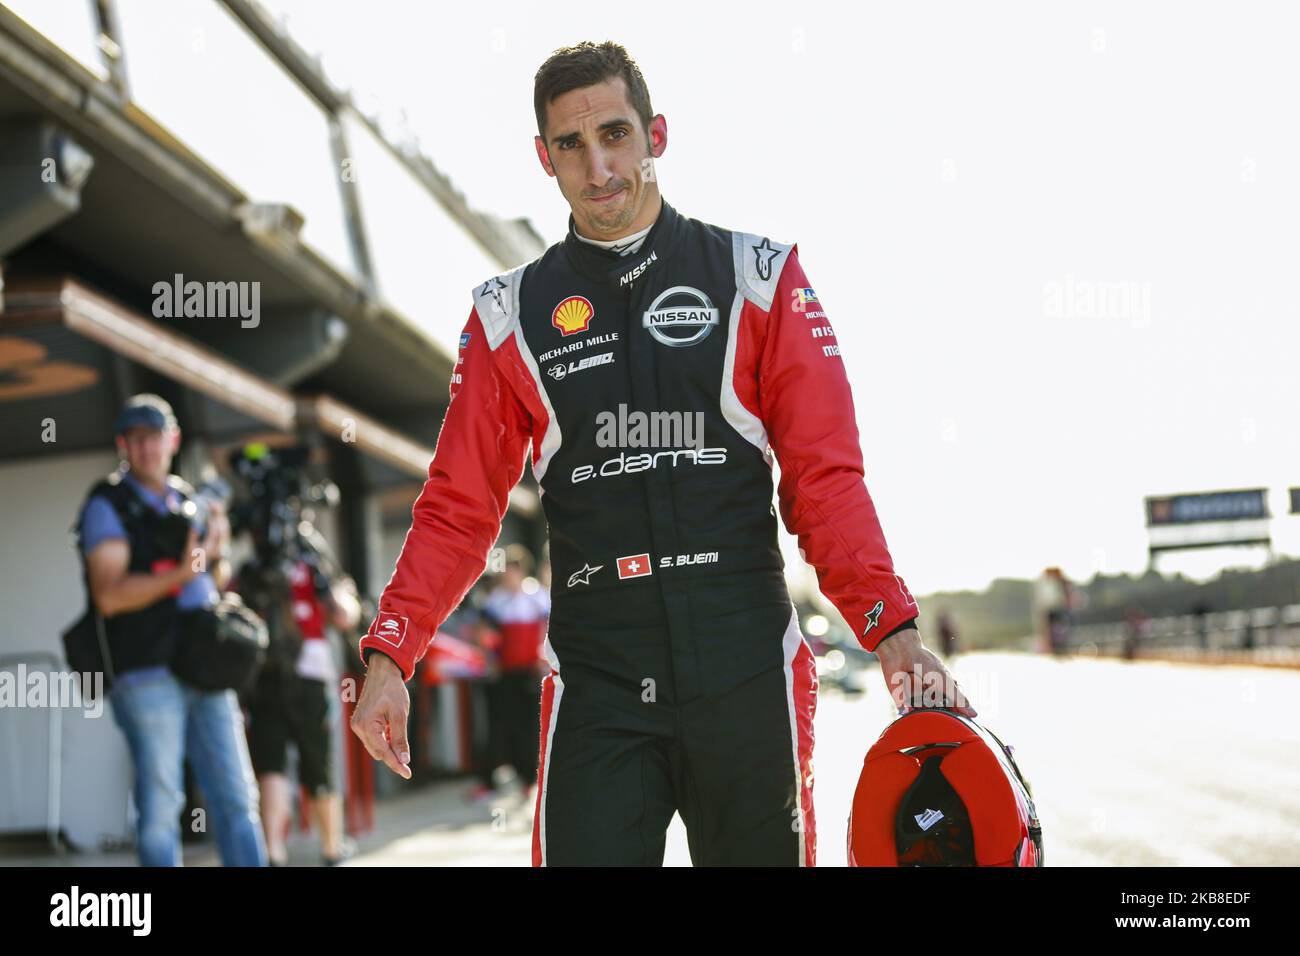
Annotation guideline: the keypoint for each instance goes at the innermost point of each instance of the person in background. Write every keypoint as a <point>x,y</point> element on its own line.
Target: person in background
<point>516,609</point>
<point>141,587</point>
<point>947,633</point>
<point>1054,600</point>
<point>1136,625</point>
<point>1202,614</point>
<point>296,697</point>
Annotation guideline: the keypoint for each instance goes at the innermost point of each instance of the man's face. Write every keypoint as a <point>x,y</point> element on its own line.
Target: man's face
<point>149,451</point>
<point>603,159</point>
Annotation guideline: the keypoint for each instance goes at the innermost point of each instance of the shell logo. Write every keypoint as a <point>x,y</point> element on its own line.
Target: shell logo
<point>573,315</point>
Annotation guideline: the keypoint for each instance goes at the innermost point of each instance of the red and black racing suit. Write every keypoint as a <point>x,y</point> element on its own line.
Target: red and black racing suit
<point>679,679</point>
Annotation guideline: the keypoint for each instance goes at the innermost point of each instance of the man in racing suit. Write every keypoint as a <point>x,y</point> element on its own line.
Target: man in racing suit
<point>656,364</point>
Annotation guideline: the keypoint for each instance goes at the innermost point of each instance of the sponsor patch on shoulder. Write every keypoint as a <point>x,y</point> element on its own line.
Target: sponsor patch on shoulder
<point>806,296</point>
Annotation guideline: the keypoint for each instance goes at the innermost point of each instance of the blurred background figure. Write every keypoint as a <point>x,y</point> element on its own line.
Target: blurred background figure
<point>948,645</point>
<point>1201,612</point>
<point>516,611</point>
<point>1054,599</point>
<point>293,582</point>
<point>138,531</point>
<point>1136,625</point>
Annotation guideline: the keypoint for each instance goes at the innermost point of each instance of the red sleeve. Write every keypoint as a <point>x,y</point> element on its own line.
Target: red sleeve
<point>807,408</point>
<point>457,516</point>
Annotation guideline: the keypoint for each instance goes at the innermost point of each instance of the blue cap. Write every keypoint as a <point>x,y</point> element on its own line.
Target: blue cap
<point>145,409</point>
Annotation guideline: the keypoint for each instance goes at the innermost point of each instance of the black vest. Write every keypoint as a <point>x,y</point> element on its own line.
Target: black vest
<point>147,637</point>
<point>584,317</point>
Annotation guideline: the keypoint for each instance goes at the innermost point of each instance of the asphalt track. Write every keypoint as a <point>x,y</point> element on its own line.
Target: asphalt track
<point>1132,764</point>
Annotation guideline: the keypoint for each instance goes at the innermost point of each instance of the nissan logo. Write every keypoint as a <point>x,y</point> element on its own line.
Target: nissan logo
<point>680,316</point>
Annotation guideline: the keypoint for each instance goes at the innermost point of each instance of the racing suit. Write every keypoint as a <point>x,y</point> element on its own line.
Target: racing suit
<point>679,679</point>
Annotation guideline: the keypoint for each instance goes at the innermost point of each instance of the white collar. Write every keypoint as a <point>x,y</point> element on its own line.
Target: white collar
<point>623,246</point>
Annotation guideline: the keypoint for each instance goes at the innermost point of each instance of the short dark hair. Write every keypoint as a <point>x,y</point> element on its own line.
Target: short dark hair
<point>586,64</point>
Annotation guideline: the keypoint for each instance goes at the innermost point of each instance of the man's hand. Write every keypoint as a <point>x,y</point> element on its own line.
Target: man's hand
<point>916,677</point>
<point>380,716</point>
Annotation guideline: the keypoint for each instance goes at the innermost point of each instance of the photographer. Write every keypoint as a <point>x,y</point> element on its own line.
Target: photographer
<point>292,582</point>
<point>146,565</point>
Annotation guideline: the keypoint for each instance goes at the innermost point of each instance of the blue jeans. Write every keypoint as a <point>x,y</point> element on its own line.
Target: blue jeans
<point>164,722</point>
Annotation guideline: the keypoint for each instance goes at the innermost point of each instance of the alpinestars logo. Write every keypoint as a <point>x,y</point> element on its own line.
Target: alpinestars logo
<point>495,292</point>
<point>763,256</point>
<point>584,575</point>
<point>873,617</point>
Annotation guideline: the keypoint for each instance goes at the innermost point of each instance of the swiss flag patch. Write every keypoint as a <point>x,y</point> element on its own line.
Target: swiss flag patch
<point>634,566</point>
<point>389,628</point>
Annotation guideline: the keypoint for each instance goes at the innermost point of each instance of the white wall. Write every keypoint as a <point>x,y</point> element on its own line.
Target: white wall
<point>41,593</point>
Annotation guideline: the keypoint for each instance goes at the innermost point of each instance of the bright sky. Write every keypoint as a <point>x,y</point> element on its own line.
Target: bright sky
<point>963,181</point>
<point>950,171</point>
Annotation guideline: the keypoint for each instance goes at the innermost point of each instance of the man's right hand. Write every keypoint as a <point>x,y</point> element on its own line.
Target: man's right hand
<point>915,675</point>
<point>380,715</point>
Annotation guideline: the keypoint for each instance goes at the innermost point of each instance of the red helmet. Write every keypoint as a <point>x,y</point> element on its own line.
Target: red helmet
<point>937,789</point>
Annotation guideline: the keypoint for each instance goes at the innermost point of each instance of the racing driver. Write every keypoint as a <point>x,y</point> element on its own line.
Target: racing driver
<point>656,365</point>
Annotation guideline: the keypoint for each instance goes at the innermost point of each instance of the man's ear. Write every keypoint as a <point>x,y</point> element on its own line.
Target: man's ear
<point>543,156</point>
<point>658,134</point>
<point>176,440</point>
